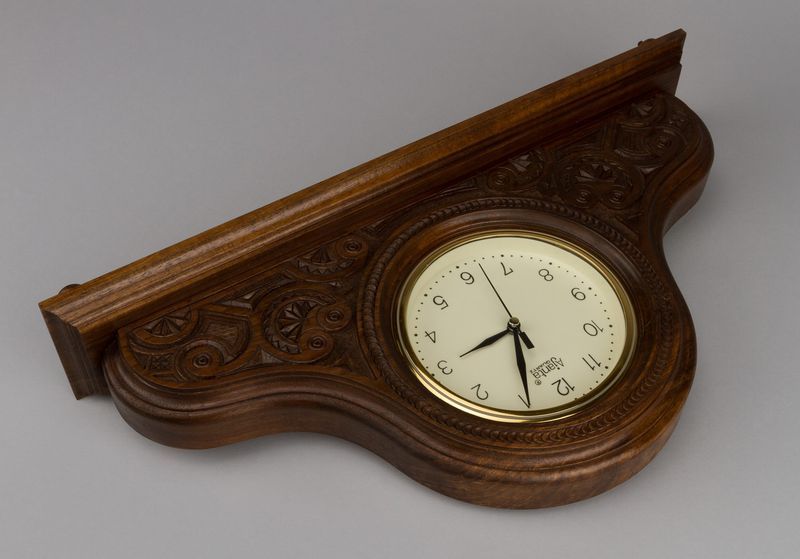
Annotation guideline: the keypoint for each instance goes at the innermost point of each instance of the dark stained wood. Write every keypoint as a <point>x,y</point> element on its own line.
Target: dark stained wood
<point>282,320</point>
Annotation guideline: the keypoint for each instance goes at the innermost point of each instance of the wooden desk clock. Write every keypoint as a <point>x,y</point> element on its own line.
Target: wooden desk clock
<point>488,308</point>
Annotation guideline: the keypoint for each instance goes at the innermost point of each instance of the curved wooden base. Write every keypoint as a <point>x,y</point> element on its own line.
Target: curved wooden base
<point>356,410</point>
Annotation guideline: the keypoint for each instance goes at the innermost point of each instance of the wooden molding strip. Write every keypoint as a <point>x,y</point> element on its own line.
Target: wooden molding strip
<point>83,319</point>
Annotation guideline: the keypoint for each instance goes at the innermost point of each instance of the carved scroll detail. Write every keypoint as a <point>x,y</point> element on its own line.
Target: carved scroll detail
<point>298,323</point>
<point>291,316</point>
<point>189,346</point>
<point>607,169</point>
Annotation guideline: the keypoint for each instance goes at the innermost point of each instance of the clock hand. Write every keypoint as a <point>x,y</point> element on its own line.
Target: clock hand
<point>495,290</point>
<point>523,374</point>
<point>523,335</point>
<point>488,341</point>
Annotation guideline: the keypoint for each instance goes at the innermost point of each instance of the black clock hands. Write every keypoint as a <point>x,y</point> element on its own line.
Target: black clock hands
<point>495,290</point>
<point>526,340</point>
<point>513,324</point>
<point>523,335</point>
<point>515,328</point>
<point>521,364</point>
<point>488,341</point>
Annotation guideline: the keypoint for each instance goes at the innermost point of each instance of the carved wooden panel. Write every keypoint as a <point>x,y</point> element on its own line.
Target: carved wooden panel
<point>296,315</point>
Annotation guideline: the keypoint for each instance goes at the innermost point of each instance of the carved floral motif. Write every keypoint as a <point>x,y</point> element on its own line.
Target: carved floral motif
<point>299,322</point>
<point>333,258</point>
<point>291,316</point>
<point>608,167</point>
<point>188,346</point>
<point>590,179</point>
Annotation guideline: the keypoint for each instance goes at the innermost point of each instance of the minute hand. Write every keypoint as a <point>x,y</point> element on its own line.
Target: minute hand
<point>522,334</point>
<point>521,365</point>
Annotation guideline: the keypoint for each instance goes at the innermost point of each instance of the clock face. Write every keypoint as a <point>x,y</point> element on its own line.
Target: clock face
<point>515,326</point>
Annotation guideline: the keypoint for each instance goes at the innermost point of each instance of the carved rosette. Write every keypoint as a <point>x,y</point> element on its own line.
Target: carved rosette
<point>334,260</point>
<point>587,180</point>
<point>606,169</point>
<point>188,345</point>
<point>526,171</point>
<point>290,317</point>
<point>298,323</point>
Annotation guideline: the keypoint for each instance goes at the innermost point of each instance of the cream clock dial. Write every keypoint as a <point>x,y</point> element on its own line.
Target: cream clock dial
<point>515,326</point>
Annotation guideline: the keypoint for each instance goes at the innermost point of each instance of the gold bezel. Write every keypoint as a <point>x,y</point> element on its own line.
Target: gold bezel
<point>496,414</point>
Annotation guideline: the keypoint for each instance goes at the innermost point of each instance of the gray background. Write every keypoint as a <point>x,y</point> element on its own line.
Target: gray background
<point>126,127</point>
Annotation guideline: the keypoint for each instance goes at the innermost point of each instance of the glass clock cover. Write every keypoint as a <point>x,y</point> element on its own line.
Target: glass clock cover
<point>515,326</point>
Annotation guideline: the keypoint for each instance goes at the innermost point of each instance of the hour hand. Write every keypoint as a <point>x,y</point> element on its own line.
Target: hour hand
<point>488,341</point>
<point>514,324</point>
<point>526,340</point>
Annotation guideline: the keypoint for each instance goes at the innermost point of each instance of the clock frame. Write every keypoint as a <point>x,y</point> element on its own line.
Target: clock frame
<point>281,320</point>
